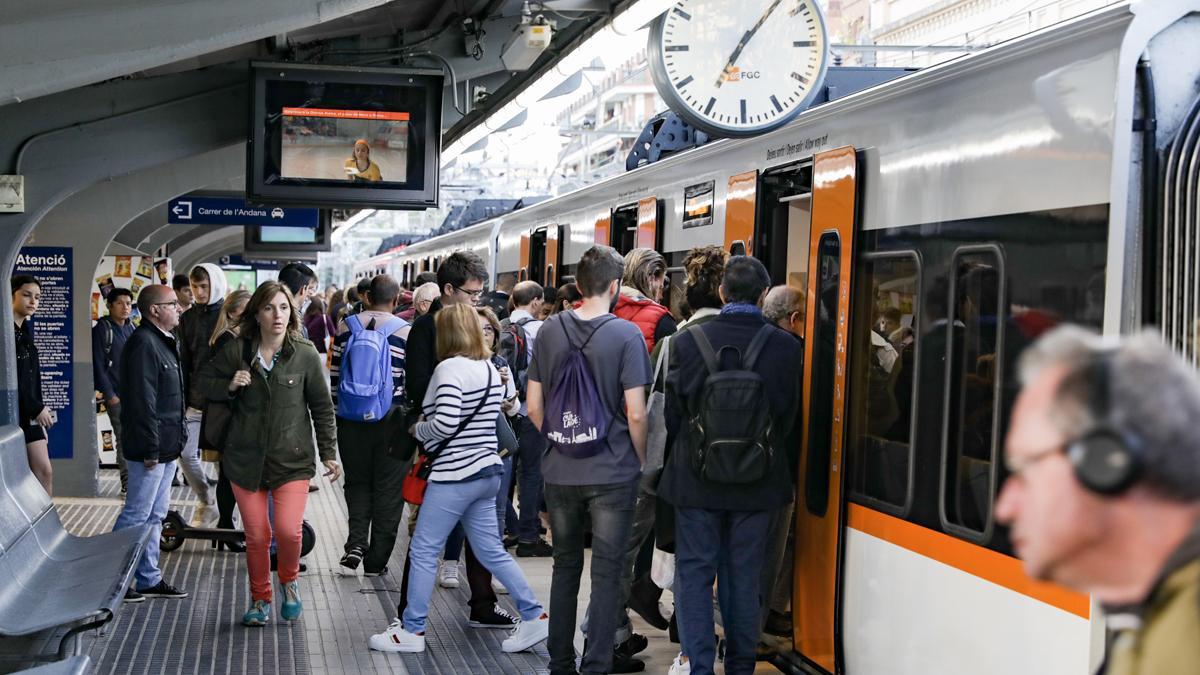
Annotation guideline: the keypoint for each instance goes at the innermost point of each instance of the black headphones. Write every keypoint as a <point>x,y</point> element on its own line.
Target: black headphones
<point>1107,460</point>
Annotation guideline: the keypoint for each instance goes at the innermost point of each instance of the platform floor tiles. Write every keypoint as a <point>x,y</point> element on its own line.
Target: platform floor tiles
<point>202,635</point>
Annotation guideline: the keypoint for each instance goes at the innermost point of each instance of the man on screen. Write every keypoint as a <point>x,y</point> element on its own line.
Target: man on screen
<point>360,166</point>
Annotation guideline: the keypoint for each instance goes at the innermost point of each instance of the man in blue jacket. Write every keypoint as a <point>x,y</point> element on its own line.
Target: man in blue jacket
<point>721,527</point>
<point>152,422</point>
<point>108,341</point>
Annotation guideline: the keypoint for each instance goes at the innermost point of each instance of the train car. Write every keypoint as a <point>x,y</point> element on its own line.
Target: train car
<point>968,207</point>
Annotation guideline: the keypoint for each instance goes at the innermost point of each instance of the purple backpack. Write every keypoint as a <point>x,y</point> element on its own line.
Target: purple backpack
<point>575,422</point>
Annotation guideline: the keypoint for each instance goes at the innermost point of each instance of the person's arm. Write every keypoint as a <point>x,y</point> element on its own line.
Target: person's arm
<point>420,361</point>
<point>335,367</point>
<point>533,402</point>
<point>213,379</point>
<point>320,406</point>
<point>100,362</point>
<point>665,327</point>
<point>140,404</point>
<point>635,413</point>
<point>443,408</point>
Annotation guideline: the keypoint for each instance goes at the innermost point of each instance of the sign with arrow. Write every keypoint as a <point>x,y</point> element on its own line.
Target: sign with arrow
<point>193,210</point>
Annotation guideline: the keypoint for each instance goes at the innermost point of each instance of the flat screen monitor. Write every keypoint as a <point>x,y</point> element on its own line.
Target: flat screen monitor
<point>271,242</point>
<point>340,136</point>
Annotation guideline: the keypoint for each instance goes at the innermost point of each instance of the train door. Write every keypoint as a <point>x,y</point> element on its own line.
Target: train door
<point>550,263</point>
<point>805,236</point>
<point>623,228</point>
<point>523,259</point>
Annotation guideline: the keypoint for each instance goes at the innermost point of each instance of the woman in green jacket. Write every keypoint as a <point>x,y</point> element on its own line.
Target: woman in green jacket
<point>275,384</point>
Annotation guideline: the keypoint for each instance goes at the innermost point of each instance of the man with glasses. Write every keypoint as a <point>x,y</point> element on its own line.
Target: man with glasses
<point>153,430</point>
<point>1103,492</point>
<point>460,279</point>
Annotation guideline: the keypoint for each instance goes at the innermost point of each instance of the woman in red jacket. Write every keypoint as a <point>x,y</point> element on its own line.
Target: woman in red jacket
<point>641,287</point>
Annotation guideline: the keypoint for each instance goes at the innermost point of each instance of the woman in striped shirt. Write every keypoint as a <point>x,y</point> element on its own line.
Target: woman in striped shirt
<point>459,427</point>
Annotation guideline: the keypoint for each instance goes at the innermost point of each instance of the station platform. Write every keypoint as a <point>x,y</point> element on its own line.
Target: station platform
<point>202,634</point>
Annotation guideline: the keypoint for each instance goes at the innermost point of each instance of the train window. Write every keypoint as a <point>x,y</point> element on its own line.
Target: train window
<point>624,228</point>
<point>673,293</point>
<point>820,410</point>
<point>883,393</point>
<point>698,205</point>
<point>974,349</point>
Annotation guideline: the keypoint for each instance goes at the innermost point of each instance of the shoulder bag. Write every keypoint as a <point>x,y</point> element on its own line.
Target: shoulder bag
<point>417,478</point>
<point>218,418</point>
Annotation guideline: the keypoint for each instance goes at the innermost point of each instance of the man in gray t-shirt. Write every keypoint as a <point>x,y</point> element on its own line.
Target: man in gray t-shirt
<point>604,484</point>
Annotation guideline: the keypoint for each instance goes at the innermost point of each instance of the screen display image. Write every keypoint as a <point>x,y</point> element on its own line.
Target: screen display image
<point>347,145</point>
<point>344,136</point>
<point>287,235</point>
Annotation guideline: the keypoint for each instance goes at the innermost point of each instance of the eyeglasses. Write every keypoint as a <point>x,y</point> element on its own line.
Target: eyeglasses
<point>473,294</point>
<point>489,329</point>
<point>173,303</point>
<point>1018,467</point>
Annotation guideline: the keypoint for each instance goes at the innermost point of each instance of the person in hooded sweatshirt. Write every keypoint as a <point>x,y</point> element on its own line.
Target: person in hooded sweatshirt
<point>195,328</point>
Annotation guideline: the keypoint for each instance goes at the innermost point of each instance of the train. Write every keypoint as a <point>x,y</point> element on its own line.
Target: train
<point>974,205</point>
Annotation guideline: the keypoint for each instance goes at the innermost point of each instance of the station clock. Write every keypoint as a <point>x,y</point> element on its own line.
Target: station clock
<point>739,67</point>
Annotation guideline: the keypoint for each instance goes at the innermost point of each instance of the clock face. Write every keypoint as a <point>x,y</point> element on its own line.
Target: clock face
<point>739,67</point>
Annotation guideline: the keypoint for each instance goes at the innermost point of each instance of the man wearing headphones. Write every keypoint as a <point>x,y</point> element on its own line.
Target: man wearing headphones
<point>1103,494</point>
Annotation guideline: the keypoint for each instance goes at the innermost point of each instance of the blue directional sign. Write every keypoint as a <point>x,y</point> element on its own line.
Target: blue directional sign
<point>189,210</point>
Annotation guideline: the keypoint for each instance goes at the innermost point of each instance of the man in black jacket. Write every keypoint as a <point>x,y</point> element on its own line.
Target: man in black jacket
<point>461,278</point>
<point>195,330</point>
<point>153,431</point>
<point>722,527</point>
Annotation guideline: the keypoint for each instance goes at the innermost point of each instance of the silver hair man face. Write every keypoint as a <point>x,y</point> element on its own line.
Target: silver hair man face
<point>1063,531</point>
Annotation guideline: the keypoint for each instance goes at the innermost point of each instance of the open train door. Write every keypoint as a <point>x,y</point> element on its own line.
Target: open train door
<point>819,498</point>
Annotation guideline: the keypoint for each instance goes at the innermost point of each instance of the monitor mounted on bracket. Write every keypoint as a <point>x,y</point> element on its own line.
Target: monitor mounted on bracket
<point>337,136</point>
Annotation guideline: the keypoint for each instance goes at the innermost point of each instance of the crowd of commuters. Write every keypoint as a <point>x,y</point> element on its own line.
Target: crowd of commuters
<point>631,430</point>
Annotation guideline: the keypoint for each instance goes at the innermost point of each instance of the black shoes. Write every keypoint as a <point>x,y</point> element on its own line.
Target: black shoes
<point>496,618</point>
<point>633,645</point>
<point>160,590</point>
<point>275,564</point>
<point>132,596</point>
<point>510,541</point>
<point>779,625</point>
<point>626,664</point>
<point>643,599</point>
<point>353,558</point>
<point>534,549</point>
<point>375,573</point>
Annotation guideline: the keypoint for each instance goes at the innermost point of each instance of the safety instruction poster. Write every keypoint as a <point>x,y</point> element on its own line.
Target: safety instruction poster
<point>52,325</point>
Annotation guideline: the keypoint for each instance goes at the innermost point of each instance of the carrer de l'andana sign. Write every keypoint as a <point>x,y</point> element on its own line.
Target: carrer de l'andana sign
<point>52,326</point>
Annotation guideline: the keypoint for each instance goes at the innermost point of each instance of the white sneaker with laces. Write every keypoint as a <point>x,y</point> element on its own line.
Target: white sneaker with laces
<point>527,634</point>
<point>498,587</point>
<point>680,667</point>
<point>448,574</point>
<point>205,516</point>
<point>396,639</point>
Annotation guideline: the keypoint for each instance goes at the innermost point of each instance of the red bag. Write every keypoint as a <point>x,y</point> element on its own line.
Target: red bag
<point>414,483</point>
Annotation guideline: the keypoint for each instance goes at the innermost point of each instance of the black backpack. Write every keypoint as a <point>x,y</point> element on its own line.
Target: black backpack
<point>514,347</point>
<point>731,429</point>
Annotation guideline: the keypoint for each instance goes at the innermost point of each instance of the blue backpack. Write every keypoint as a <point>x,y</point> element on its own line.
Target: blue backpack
<point>575,421</point>
<point>365,384</point>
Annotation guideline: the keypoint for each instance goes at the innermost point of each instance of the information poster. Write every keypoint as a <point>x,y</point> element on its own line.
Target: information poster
<point>52,325</point>
<point>112,272</point>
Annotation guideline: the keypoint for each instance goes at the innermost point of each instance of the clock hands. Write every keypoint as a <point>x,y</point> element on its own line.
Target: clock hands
<point>725,72</point>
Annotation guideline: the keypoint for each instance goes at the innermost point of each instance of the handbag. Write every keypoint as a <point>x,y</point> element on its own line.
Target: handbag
<point>217,419</point>
<point>656,422</point>
<point>417,478</point>
<point>506,438</point>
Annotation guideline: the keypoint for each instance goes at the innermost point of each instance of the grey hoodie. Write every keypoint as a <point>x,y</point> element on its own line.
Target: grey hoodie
<point>195,328</point>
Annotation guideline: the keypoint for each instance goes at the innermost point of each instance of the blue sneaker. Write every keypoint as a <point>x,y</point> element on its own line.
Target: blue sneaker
<point>258,614</point>
<point>290,611</point>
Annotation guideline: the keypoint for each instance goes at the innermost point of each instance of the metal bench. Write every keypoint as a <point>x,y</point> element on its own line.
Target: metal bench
<point>53,579</point>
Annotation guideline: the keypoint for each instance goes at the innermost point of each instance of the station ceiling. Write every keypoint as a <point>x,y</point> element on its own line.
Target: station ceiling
<point>77,62</point>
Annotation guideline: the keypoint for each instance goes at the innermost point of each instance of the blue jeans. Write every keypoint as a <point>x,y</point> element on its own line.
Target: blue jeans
<point>146,502</point>
<point>728,547</point>
<point>454,544</point>
<point>473,503</point>
<point>531,446</point>
<point>611,509</point>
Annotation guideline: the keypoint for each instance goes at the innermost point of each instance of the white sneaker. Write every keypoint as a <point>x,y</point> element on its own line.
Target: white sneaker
<point>396,639</point>
<point>498,587</point>
<point>527,634</point>
<point>680,667</point>
<point>205,516</point>
<point>448,574</point>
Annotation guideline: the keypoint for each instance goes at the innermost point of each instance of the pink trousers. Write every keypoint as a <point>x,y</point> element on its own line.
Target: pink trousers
<point>290,499</point>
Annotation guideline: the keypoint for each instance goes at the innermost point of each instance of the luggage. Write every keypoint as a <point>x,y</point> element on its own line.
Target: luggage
<point>365,386</point>
<point>575,421</point>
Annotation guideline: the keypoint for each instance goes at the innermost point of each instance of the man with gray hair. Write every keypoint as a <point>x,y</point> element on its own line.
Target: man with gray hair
<point>784,307</point>
<point>1104,489</point>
